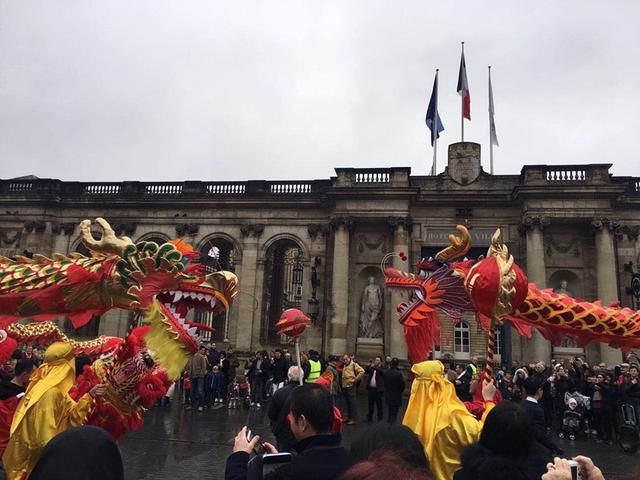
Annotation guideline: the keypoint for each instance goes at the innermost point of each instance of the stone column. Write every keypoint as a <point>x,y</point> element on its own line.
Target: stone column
<point>401,235</point>
<point>340,287</point>
<point>540,348</point>
<point>607,278</point>
<point>246,300</point>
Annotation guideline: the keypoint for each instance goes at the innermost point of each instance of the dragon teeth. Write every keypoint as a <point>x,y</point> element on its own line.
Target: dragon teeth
<point>420,295</point>
<point>192,331</point>
<point>177,296</point>
<point>200,296</point>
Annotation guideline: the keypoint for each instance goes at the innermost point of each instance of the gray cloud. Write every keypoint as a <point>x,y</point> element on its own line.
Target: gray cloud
<point>212,90</point>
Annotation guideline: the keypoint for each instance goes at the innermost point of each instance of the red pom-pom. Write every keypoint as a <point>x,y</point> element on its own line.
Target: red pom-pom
<point>7,346</point>
<point>292,323</point>
<point>401,254</point>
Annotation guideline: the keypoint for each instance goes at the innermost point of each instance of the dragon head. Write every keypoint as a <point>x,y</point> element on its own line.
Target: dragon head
<point>161,283</point>
<point>430,289</point>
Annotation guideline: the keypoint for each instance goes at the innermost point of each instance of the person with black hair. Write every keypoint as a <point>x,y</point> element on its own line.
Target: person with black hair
<point>279,369</point>
<point>80,453</point>
<point>394,385</point>
<point>375,387</point>
<point>506,449</point>
<point>398,439</point>
<point>320,454</point>
<point>10,394</point>
<point>534,390</point>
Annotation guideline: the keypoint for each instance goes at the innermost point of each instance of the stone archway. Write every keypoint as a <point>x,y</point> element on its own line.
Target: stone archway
<point>283,284</point>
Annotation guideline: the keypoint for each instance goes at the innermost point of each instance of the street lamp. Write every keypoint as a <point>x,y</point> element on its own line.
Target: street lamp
<point>314,304</point>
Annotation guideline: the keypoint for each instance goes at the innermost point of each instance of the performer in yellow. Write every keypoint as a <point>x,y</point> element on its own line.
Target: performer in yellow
<point>46,410</point>
<point>440,419</point>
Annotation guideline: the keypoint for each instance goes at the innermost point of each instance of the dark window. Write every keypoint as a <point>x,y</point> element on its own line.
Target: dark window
<point>92,327</point>
<point>283,280</point>
<point>226,261</point>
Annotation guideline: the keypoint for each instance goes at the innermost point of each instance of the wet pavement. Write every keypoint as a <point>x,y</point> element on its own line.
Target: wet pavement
<point>185,445</point>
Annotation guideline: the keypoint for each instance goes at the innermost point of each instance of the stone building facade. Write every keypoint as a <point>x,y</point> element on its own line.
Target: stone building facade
<point>314,244</point>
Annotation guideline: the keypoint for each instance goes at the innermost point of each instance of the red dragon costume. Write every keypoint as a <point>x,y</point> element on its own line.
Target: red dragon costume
<point>498,294</point>
<point>157,283</point>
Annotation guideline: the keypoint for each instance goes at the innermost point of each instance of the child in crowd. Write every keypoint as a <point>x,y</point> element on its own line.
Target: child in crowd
<point>186,386</point>
<point>216,385</point>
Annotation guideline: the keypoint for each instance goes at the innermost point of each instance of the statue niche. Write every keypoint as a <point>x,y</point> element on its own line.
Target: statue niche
<point>370,324</point>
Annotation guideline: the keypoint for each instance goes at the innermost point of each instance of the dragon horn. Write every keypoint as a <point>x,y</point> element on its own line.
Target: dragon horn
<point>458,245</point>
<point>109,243</point>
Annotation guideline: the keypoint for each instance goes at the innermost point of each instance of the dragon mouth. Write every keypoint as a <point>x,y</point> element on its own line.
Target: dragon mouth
<point>416,296</point>
<point>409,283</point>
<point>176,304</point>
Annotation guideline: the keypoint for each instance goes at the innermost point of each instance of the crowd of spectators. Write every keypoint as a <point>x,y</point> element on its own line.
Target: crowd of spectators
<point>595,392</point>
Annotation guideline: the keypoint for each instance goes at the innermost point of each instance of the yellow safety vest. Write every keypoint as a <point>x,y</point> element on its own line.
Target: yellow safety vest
<point>314,371</point>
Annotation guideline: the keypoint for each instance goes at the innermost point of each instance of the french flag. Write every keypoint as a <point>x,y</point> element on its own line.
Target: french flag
<point>463,88</point>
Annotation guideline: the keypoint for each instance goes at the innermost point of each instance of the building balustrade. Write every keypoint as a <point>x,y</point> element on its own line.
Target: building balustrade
<point>566,175</point>
<point>393,177</point>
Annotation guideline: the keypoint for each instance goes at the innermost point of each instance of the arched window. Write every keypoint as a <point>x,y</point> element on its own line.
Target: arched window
<point>462,340</point>
<point>154,238</point>
<point>283,275</point>
<point>92,327</point>
<point>226,261</point>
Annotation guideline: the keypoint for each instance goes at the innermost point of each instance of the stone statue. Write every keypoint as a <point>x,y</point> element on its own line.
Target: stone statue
<point>563,288</point>
<point>370,309</point>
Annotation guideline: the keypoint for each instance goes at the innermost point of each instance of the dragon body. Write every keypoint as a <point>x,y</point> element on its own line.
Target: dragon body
<point>439,285</point>
<point>157,283</point>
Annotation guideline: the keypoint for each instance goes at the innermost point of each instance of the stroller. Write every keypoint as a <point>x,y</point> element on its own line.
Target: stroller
<point>628,429</point>
<point>573,421</point>
<point>239,393</point>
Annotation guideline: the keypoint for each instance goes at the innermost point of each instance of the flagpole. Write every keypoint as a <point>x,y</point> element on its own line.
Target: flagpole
<point>462,107</point>
<point>490,139</point>
<point>435,129</point>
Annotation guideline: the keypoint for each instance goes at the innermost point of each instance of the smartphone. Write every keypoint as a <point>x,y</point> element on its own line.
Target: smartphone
<point>262,465</point>
<point>259,449</point>
<point>575,470</point>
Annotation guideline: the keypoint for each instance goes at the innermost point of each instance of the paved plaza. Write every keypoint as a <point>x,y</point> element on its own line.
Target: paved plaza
<point>184,445</point>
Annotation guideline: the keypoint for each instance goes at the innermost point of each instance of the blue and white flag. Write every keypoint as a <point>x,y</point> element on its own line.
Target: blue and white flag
<point>432,113</point>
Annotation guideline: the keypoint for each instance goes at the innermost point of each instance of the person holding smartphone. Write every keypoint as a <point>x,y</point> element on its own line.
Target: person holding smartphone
<point>320,454</point>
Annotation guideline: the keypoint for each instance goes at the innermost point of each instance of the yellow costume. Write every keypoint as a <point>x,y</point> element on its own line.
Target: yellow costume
<point>440,419</point>
<point>45,410</point>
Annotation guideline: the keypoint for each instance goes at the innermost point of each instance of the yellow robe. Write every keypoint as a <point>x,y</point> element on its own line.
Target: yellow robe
<point>54,413</point>
<point>45,410</point>
<point>440,419</point>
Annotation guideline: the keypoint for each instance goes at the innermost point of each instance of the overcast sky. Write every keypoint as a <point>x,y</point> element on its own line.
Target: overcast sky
<point>236,90</point>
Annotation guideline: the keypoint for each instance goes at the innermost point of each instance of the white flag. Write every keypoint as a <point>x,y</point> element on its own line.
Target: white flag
<point>492,123</point>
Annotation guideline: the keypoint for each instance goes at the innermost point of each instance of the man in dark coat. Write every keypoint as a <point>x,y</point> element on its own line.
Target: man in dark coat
<point>279,408</point>
<point>279,370</point>
<point>534,389</point>
<point>320,454</point>
<point>375,387</point>
<point>393,387</point>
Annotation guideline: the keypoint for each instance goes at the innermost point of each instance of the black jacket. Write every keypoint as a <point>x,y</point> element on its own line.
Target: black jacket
<point>279,369</point>
<point>8,389</point>
<point>394,385</point>
<point>263,372</point>
<point>536,417</point>
<point>380,373</point>
<point>277,413</point>
<point>478,463</point>
<point>319,458</point>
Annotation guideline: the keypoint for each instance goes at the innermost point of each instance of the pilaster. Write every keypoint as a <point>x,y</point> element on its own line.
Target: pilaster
<point>340,286</point>
<point>607,283</point>
<point>533,227</point>
<point>246,303</point>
